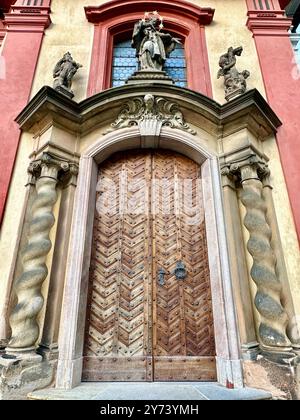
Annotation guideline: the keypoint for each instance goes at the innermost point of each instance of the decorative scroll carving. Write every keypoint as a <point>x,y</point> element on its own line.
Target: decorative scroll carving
<point>234,81</point>
<point>273,317</point>
<point>150,114</point>
<point>23,319</point>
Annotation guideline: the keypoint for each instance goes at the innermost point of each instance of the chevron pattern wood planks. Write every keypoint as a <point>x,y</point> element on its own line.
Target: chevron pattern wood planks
<point>149,216</point>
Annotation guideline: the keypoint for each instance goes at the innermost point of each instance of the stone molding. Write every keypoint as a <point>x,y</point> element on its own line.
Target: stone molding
<point>246,112</point>
<point>249,110</point>
<point>267,20</point>
<point>2,33</point>
<point>98,14</point>
<point>234,170</point>
<point>27,18</point>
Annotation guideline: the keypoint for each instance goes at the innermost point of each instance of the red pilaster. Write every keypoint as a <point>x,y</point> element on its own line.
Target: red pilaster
<point>2,32</point>
<point>24,27</point>
<point>270,26</point>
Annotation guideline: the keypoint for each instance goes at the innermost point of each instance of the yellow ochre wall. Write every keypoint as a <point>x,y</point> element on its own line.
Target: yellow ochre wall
<point>70,31</point>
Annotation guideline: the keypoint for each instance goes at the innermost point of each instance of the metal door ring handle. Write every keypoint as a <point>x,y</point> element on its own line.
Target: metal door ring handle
<point>180,271</point>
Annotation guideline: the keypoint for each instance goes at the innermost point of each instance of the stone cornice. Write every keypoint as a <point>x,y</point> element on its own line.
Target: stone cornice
<point>248,110</point>
<point>268,23</point>
<point>98,14</point>
<point>27,19</point>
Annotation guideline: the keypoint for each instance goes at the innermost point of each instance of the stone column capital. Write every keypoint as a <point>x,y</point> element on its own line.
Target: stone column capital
<point>52,167</point>
<point>252,167</point>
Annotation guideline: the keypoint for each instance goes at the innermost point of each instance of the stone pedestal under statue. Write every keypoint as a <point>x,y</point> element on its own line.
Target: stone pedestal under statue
<point>150,76</point>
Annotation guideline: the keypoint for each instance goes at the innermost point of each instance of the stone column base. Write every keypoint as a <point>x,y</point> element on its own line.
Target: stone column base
<point>64,91</point>
<point>231,95</point>
<point>19,377</point>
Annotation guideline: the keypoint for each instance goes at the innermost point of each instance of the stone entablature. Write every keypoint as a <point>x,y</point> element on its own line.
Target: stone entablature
<point>249,110</point>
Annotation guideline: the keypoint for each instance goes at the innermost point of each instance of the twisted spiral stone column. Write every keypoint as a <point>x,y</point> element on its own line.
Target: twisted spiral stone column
<point>273,317</point>
<point>23,319</point>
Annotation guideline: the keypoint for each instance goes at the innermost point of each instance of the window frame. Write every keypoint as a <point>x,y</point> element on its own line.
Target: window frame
<point>117,22</point>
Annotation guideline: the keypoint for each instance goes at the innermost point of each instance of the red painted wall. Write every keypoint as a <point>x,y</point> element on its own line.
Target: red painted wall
<point>284,96</point>
<point>282,83</point>
<point>19,58</point>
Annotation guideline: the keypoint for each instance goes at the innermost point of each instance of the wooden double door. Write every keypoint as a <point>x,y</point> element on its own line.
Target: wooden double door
<point>149,314</point>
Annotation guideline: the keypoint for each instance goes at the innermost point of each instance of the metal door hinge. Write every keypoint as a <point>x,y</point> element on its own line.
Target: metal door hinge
<point>161,277</point>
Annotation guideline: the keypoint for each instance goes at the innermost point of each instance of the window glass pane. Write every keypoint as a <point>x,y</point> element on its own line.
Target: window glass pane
<point>125,64</point>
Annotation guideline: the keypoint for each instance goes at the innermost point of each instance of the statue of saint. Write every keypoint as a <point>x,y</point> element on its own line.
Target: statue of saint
<point>64,72</point>
<point>234,81</point>
<point>152,46</point>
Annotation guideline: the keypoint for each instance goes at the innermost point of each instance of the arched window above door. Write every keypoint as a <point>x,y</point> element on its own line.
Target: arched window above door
<point>114,22</point>
<point>125,64</point>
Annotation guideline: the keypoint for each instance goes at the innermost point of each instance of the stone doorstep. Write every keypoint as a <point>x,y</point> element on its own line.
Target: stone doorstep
<point>150,391</point>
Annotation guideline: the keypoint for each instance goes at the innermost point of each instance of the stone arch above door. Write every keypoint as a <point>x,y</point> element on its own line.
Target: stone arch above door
<point>72,329</point>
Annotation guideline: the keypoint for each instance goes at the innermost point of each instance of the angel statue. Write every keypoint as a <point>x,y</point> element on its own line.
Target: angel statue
<point>152,46</point>
<point>234,81</point>
<point>64,72</point>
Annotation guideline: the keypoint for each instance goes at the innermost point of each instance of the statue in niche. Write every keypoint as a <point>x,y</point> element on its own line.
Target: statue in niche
<point>234,81</point>
<point>152,46</point>
<point>63,74</point>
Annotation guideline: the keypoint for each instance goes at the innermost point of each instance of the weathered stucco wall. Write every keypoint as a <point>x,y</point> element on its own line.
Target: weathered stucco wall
<point>70,31</point>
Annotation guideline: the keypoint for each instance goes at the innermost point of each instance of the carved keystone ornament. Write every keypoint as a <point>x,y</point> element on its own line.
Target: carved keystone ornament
<point>150,114</point>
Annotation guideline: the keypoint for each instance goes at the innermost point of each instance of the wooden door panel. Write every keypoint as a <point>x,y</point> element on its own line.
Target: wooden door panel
<point>110,369</point>
<point>117,331</point>
<point>180,368</point>
<point>184,346</point>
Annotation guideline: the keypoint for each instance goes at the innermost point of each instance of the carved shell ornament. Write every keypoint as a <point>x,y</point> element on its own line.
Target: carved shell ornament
<point>142,111</point>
